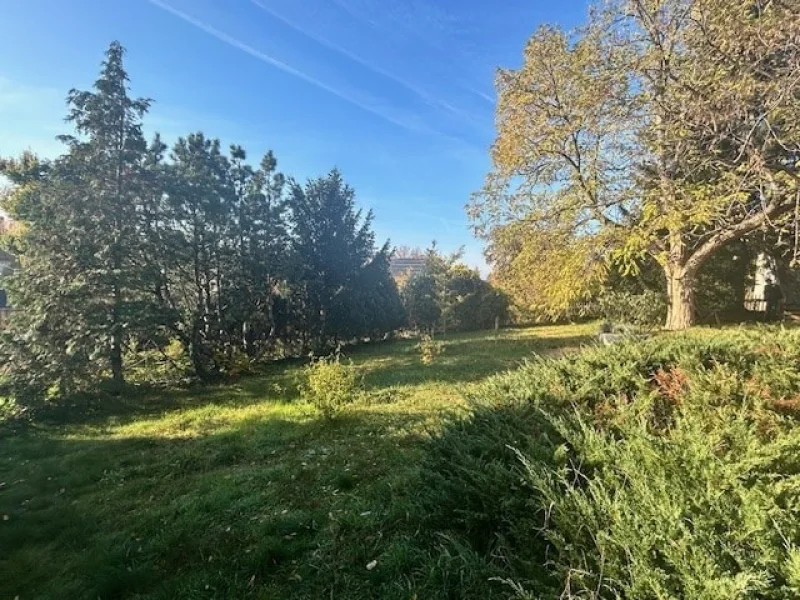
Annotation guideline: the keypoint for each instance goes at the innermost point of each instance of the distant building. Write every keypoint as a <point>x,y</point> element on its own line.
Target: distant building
<point>765,275</point>
<point>774,290</point>
<point>406,267</point>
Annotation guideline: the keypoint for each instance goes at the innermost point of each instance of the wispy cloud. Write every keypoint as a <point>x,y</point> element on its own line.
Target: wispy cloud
<point>428,97</point>
<point>418,21</point>
<point>486,97</point>
<point>410,124</point>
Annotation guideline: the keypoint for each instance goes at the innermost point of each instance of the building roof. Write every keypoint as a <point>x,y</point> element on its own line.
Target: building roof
<point>406,266</point>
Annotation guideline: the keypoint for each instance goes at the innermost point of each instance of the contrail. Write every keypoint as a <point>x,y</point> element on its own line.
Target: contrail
<point>426,96</point>
<point>373,23</point>
<point>286,68</point>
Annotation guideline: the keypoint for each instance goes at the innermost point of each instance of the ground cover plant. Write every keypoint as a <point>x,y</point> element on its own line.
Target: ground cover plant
<point>659,469</point>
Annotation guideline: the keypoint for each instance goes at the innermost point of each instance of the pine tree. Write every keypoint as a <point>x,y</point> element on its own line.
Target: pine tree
<point>200,250</point>
<point>121,249</point>
<point>261,240</point>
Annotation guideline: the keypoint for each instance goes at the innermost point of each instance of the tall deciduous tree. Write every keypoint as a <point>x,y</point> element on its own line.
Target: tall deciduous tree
<point>663,127</point>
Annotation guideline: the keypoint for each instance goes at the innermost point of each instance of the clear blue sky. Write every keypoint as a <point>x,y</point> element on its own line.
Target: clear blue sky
<point>396,93</point>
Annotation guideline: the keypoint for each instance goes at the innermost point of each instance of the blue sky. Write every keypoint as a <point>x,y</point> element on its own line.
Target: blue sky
<point>398,94</point>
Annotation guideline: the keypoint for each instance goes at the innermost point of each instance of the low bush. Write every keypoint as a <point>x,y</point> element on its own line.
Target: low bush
<point>667,468</point>
<point>330,384</point>
<point>429,349</point>
<point>646,310</point>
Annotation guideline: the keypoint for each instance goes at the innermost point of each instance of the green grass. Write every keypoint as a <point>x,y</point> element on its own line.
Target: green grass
<point>241,490</point>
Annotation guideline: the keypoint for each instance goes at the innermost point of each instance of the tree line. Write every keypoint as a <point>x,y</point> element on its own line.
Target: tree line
<point>125,246</point>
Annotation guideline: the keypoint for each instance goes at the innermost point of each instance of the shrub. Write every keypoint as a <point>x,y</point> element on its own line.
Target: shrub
<point>475,304</point>
<point>646,310</point>
<point>330,384</point>
<point>234,362</point>
<point>668,468</point>
<point>158,364</point>
<point>429,349</point>
<point>421,301</point>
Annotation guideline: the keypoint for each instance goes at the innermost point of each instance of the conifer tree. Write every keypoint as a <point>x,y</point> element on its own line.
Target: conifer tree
<point>84,280</point>
<point>199,203</point>
<point>123,249</point>
<point>333,243</point>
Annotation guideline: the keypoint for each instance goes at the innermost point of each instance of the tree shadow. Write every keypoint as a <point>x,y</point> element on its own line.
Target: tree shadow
<point>467,358</point>
<point>176,517</point>
<point>273,382</point>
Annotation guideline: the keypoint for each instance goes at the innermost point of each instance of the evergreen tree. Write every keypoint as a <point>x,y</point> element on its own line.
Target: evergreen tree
<point>450,295</point>
<point>422,301</point>
<point>262,242</point>
<point>85,282</point>
<point>332,245</point>
<point>200,251</point>
<point>122,250</point>
<point>371,307</point>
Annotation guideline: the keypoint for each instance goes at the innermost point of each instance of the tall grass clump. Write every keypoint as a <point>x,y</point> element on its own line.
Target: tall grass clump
<point>668,468</point>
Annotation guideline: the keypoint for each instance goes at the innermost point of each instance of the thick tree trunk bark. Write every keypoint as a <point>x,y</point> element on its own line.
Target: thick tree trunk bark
<point>680,296</point>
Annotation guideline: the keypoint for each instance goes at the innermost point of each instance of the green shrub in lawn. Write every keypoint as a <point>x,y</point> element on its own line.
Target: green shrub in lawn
<point>645,311</point>
<point>668,468</point>
<point>330,384</point>
<point>428,349</point>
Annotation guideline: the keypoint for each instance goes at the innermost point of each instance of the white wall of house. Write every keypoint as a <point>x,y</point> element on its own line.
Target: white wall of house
<point>765,274</point>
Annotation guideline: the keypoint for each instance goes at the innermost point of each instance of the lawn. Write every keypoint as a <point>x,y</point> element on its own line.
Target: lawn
<point>241,490</point>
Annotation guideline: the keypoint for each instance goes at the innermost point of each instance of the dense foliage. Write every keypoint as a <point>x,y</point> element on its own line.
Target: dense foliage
<point>645,310</point>
<point>124,250</point>
<point>447,295</point>
<point>665,468</point>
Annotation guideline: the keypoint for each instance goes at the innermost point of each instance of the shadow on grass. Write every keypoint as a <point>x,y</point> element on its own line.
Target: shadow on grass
<point>221,515</point>
<point>275,383</point>
<point>467,357</point>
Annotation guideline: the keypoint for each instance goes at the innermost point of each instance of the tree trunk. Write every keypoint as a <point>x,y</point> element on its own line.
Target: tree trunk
<point>680,296</point>
<point>117,373</point>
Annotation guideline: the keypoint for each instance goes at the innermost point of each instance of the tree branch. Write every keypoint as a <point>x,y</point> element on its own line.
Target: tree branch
<point>735,232</point>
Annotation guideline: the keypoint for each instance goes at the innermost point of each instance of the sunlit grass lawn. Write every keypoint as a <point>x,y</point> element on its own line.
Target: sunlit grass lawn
<point>241,490</point>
